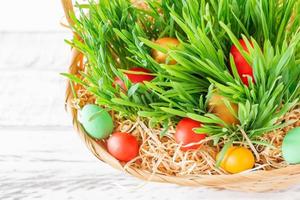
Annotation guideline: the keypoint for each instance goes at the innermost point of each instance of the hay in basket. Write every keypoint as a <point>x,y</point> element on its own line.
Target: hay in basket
<point>194,55</point>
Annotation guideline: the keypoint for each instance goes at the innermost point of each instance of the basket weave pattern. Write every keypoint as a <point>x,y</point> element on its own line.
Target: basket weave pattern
<point>257,181</point>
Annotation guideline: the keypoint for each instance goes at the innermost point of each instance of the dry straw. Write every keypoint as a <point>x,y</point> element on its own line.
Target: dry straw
<point>161,160</point>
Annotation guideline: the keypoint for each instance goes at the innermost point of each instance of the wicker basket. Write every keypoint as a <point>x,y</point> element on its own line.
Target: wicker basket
<point>257,181</point>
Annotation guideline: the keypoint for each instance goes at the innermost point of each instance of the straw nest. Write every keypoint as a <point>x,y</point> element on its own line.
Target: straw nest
<point>162,155</point>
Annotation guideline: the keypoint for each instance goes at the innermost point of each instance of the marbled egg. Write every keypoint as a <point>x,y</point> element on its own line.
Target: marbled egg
<point>291,146</point>
<point>96,121</point>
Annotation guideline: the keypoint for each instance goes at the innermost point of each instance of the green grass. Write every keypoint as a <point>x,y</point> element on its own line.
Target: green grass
<point>206,29</point>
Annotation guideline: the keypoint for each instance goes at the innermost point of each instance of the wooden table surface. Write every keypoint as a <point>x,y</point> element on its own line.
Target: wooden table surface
<point>41,157</point>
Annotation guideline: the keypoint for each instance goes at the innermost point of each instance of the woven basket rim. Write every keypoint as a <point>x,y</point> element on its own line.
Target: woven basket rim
<point>287,175</point>
<point>254,181</point>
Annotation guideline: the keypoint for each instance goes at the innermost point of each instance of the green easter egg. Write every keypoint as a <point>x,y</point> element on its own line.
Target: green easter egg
<point>291,146</point>
<point>96,121</point>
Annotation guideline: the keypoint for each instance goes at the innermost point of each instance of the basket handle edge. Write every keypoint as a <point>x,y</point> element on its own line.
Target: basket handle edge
<point>68,9</point>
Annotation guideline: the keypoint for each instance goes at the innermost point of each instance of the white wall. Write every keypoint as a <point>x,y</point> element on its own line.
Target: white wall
<point>30,15</point>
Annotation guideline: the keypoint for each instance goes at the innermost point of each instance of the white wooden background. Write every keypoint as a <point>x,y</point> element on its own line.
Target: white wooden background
<point>41,157</point>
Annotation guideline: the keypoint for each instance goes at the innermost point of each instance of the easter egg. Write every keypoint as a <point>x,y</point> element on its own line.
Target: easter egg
<point>242,66</point>
<point>291,146</point>
<point>237,159</point>
<point>134,78</point>
<point>123,146</point>
<point>166,43</point>
<point>185,135</point>
<point>139,78</point>
<point>217,106</point>
<point>96,121</point>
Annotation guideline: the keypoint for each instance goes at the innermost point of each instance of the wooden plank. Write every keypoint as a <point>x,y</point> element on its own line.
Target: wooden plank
<point>43,164</point>
<point>32,98</point>
<point>34,50</point>
<point>30,15</point>
<point>33,91</point>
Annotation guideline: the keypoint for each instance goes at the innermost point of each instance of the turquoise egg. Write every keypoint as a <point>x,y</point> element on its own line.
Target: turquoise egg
<point>96,121</point>
<point>291,146</point>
